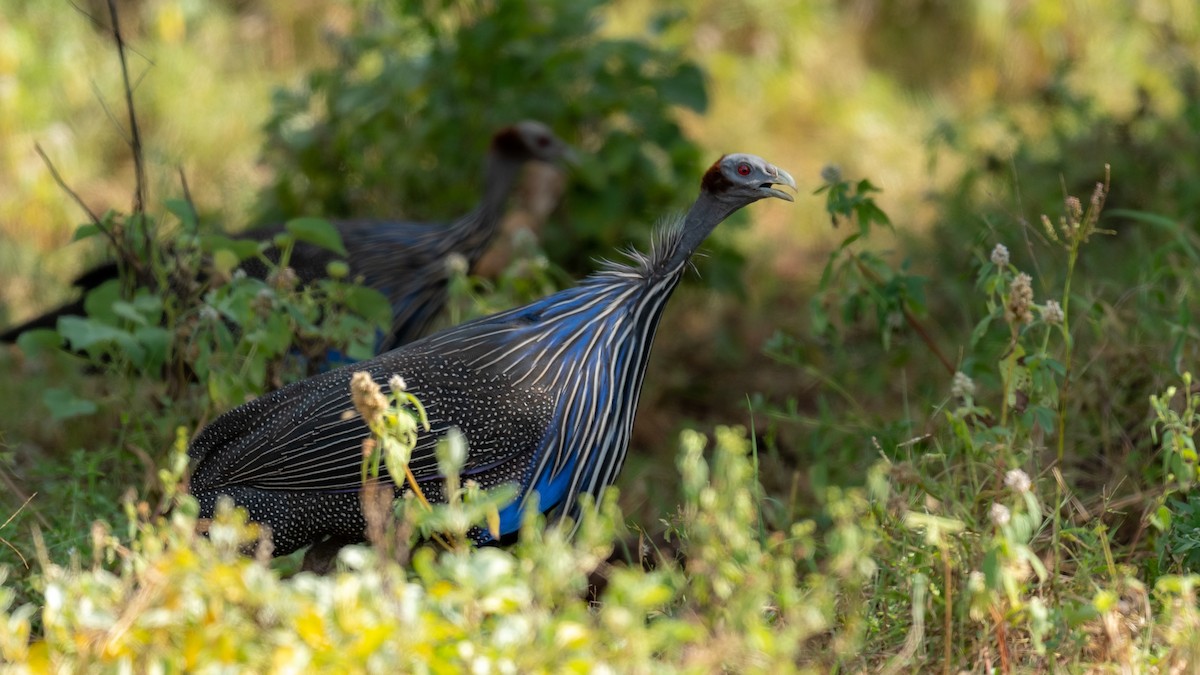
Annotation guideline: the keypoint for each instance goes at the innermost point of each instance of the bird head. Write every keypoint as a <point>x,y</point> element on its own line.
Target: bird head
<point>530,139</point>
<point>743,179</point>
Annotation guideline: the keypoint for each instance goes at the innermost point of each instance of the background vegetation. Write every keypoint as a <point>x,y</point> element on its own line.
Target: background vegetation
<point>941,463</point>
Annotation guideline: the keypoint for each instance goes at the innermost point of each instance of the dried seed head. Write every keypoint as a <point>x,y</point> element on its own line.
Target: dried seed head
<point>283,279</point>
<point>1000,255</point>
<point>369,401</point>
<point>1020,299</point>
<point>1017,480</point>
<point>1049,228</point>
<point>1074,209</point>
<point>397,383</point>
<point>1098,197</point>
<point>457,265</point>
<point>962,386</point>
<point>1052,313</point>
<point>263,302</point>
<point>976,582</point>
<point>1000,514</point>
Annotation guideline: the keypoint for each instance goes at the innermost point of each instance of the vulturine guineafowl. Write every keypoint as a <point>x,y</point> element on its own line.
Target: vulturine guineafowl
<point>544,394</point>
<point>404,260</point>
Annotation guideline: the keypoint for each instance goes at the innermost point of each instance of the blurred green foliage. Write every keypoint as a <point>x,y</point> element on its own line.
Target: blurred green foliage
<point>973,119</point>
<point>154,594</point>
<point>398,126</point>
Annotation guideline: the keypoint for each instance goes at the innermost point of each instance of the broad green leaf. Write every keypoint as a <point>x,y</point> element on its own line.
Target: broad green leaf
<point>84,333</point>
<point>685,88</point>
<point>148,304</point>
<point>369,304</point>
<point>39,341</point>
<point>157,341</point>
<point>242,248</point>
<point>361,350</point>
<point>183,211</point>
<point>85,231</point>
<point>126,310</point>
<point>317,231</point>
<point>100,300</point>
<point>65,404</point>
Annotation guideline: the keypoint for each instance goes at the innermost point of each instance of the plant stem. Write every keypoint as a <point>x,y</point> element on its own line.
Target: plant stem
<point>908,316</point>
<point>947,578</point>
<point>1062,401</point>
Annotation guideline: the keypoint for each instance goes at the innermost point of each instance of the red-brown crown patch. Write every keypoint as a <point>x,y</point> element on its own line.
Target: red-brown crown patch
<point>714,180</point>
<point>508,141</point>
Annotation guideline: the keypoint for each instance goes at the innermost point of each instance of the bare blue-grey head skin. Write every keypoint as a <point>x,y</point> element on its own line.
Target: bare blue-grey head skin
<point>545,394</point>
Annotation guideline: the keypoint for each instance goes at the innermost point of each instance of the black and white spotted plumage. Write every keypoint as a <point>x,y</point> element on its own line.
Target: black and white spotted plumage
<point>545,394</point>
<point>407,261</point>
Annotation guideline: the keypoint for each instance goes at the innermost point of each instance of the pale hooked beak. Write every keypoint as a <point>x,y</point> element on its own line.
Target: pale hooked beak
<point>781,178</point>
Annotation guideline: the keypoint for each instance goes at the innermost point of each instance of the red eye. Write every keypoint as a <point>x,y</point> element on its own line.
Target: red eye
<point>743,169</point>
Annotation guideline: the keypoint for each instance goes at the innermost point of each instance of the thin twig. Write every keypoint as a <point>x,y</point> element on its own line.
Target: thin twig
<point>75,196</point>
<point>135,137</point>
<point>99,24</point>
<point>63,184</point>
<point>116,124</point>
<point>19,510</point>
<point>947,611</point>
<point>1001,639</point>
<point>187,197</point>
<point>16,490</point>
<point>10,519</point>
<point>909,317</point>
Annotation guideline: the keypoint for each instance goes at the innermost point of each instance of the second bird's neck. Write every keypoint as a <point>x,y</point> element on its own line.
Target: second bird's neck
<point>473,232</point>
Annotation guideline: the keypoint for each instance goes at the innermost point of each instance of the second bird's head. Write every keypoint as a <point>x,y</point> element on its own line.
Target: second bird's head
<point>531,140</point>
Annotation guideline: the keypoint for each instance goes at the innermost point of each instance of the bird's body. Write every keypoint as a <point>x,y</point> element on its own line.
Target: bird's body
<point>545,394</point>
<point>404,260</point>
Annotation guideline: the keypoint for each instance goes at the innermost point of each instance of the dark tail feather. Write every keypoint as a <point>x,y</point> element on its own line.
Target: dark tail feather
<point>84,282</point>
<point>47,320</point>
<point>96,276</point>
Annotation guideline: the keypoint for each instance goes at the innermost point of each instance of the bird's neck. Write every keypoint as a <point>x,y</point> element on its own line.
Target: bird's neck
<point>474,232</point>
<point>706,213</point>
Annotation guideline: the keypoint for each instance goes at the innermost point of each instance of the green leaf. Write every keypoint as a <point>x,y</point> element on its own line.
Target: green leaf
<point>157,341</point>
<point>126,310</point>
<point>1160,221</point>
<point>148,304</point>
<point>1044,417</point>
<point>242,248</point>
<point>224,262</point>
<point>361,350</point>
<point>317,231</point>
<point>991,568</point>
<point>39,341</point>
<point>85,231</point>
<point>65,404</point>
<point>83,333</point>
<point>369,304</point>
<point>183,211</point>
<point>685,88</point>
<point>100,300</point>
